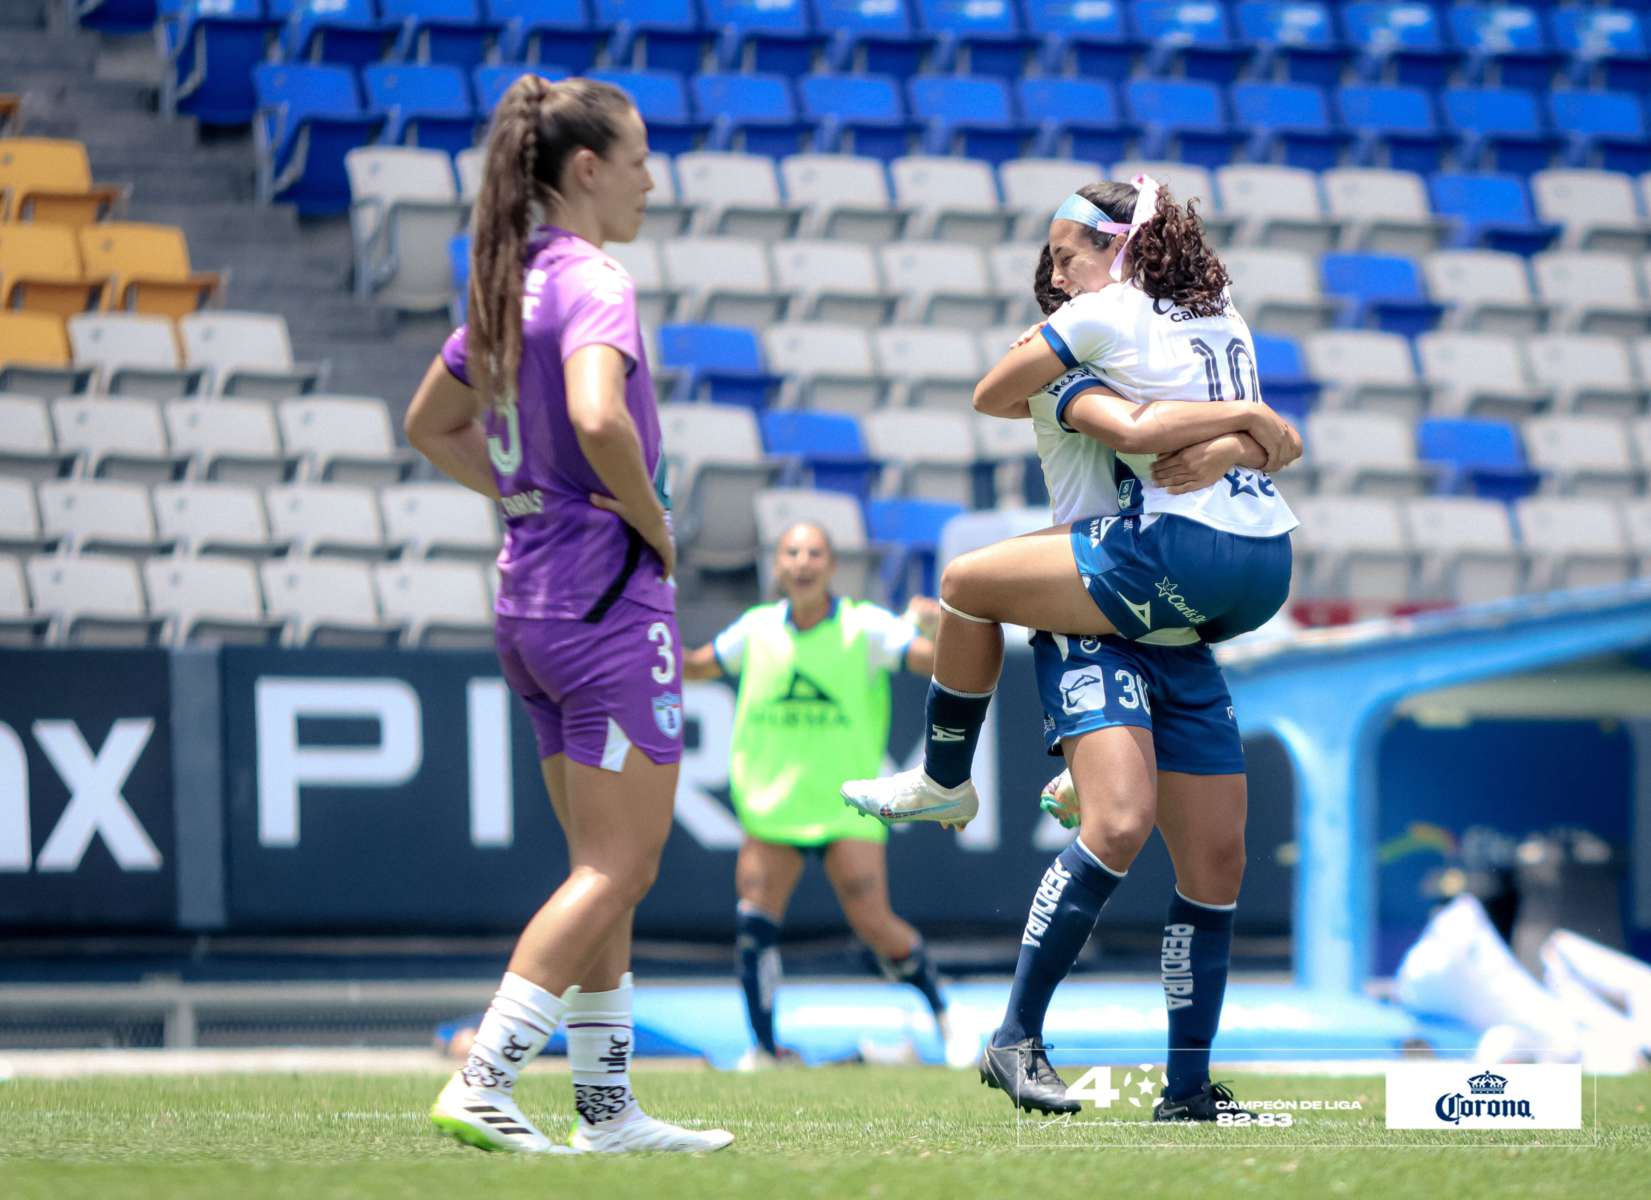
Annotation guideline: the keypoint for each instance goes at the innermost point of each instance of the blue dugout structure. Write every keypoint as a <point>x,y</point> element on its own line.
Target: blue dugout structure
<point>1328,697</point>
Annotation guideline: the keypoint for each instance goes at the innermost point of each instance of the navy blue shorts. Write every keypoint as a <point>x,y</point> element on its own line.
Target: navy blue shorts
<point>1176,692</point>
<point>1160,571</point>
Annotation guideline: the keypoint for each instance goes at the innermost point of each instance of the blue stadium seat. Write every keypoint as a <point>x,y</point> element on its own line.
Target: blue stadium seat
<point>1285,382</point>
<point>1291,124</point>
<point>1078,118</point>
<point>663,102</point>
<point>1478,456</point>
<point>858,114</point>
<point>720,363</point>
<point>1608,46</point>
<point>458,258</point>
<point>491,83</point>
<point>1382,292</point>
<point>308,171</point>
<point>1084,38</point>
<point>657,35</point>
<point>1494,211</point>
<point>913,527</point>
<point>1191,39</point>
<point>753,113</point>
<point>1506,44</point>
<point>972,117</point>
<point>765,35</point>
<point>1395,128</point>
<point>1401,43</point>
<point>116,16</point>
<point>558,33</point>
<point>211,47</point>
<point>978,37</point>
<point>1296,42</point>
<point>1501,129</point>
<point>827,444</point>
<point>874,37</point>
<point>426,106</point>
<point>455,32</point>
<point>1606,129</point>
<point>1182,120</point>
<point>341,32</point>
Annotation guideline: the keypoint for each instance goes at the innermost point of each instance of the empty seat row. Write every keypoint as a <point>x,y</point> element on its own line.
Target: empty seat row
<point>414,520</point>
<point>104,599</point>
<point>108,265</point>
<point>50,180</point>
<point>345,439</point>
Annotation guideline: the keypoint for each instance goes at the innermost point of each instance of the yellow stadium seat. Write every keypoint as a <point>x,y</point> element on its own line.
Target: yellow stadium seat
<point>50,180</point>
<point>40,270</point>
<point>147,267</point>
<point>38,339</point>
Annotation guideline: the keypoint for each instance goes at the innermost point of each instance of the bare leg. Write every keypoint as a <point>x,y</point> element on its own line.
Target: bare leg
<point>859,874</point>
<point>1201,818</point>
<point>765,875</point>
<point>1115,772</point>
<point>614,958</point>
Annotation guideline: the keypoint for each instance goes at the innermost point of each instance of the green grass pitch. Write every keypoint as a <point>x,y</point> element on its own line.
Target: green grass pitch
<point>892,1133</point>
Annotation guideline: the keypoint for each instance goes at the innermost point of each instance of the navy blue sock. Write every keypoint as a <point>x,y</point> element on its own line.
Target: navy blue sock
<point>1074,890</point>
<point>954,721</point>
<point>757,936</point>
<point>917,969</point>
<point>1198,943</point>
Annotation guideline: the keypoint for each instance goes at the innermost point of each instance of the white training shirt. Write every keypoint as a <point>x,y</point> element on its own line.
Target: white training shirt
<point>1078,471</point>
<point>1147,349</point>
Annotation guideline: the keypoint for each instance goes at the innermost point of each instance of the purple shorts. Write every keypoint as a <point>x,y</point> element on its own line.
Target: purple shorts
<point>594,690</point>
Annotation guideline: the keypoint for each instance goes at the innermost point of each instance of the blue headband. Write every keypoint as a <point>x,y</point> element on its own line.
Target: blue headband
<point>1076,208</point>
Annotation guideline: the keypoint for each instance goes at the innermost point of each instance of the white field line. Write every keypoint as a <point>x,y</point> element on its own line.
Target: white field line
<point>80,1064</point>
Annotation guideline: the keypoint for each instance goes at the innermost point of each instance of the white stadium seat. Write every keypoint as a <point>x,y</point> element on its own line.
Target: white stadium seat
<point>1366,452</point>
<point>725,281</point>
<point>325,602</point>
<point>133,353</point>
<point>1467,546</point>
<point>1480,375</point>
<point>1592,292</point>
<point>943,283</point>
<point>92,600</point>
<point>1386,212</point>
<point>327,519</point>
<point>844,197</point>
<point>1574,543</point>
<point>1597,209</point>
<point>1186,182</point>
<point>209,600</point>
<point>667,215</point>
<point>717,468</point>
<point>937,367</point>
<point>1367,370</point>
<point>19,624</point>
<point>117,439</point>
<point>248,353</point>
<point>1487,290</point>
<point>443,604</point>
<point>655,298</point>
<point>347,439</point>
<point>404,211</point>
<point>1034,187</point>
<point>20,529</point>
<point>100,515</point>
<point>471,166</point>
<point>1636,526</point>
<point>215,518</point>
<point>1279,206</point>
<point>440,521</point>
<point>1584,455</point>
<point>1589,373</point>
<point>30,449</point>
<point>954,199</point>
<point>234,441</point>
<point>933,450</point>
<point>1353,547</point>
<point>826,366</point>
<point>1013,267</point>
<point>1278,290</point>
<point>834,282</point>
<point>735,195</point>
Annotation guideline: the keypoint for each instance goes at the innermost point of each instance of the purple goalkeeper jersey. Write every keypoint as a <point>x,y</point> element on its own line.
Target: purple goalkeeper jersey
<point>563,557</point>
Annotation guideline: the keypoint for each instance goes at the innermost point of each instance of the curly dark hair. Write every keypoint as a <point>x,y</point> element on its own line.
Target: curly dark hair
<point>1170,260</point>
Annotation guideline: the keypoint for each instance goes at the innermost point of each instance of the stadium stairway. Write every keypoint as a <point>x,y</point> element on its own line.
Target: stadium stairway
<point>104,91</point>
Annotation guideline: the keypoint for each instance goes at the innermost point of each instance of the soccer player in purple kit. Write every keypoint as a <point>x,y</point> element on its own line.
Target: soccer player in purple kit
<point>544,403</point>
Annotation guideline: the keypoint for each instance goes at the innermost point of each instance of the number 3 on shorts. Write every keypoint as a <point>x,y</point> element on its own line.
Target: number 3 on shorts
<point>660,634</point>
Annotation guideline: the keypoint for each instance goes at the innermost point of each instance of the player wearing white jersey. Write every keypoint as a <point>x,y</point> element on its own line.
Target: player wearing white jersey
<point>1182,557</point>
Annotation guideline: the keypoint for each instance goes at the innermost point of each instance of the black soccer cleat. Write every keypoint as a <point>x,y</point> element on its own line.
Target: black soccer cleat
<point>1206,1104</point>
<point>1023,1071</point>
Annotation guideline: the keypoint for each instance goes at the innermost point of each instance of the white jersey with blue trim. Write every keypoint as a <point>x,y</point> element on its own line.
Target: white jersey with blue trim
<point>1146,350</point>
<point>1077,470</point>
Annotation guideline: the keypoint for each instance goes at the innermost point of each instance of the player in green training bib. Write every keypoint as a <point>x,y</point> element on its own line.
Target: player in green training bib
<point>813,710</point>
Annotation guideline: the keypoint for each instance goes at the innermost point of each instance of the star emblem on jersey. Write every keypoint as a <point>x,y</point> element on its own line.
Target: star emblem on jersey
<point>1241,484</point>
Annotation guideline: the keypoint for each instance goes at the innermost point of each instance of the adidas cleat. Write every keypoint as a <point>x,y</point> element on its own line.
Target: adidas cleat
<point>1023,1071</point>
<point>488,1120</point>
<point>913,796</point>
<point>640,1133</point>
<point>1206,1104</point>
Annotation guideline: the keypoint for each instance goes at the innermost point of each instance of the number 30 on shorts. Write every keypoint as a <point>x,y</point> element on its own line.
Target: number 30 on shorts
<point>659,633</point>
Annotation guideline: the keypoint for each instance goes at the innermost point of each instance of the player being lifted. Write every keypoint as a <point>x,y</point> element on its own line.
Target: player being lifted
<point>1193,549</point>
<point>544,403</point>
<point>813,710</point>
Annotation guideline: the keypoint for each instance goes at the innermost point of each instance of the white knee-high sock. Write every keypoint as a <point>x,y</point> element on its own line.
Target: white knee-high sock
<point>600,1038</point>
<point>518,1024</point>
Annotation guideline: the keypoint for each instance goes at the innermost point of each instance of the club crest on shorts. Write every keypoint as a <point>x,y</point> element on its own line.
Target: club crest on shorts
<point>668,713</point>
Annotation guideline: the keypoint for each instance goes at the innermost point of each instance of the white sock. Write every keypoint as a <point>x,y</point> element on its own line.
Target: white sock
<point>518,1024</point>
<point>600,1037</point>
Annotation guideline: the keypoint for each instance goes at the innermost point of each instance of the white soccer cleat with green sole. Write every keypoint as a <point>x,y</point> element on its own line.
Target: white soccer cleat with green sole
<point>913,796</point>
<point>640,1133</point>
<point>488,1120</point>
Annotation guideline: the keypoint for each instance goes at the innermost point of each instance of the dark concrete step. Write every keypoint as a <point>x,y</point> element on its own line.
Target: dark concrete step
<point>220,221</point>
<point>37,47</point>
<point>116,131</point>
<point>23,14</point>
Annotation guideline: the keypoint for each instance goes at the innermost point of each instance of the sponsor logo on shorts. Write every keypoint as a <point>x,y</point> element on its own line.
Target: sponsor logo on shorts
<point>1098,529</point>
<point>1083,690</point>
<point>1170,592</point>
<point>668,713</point>
<point>523,504</point>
